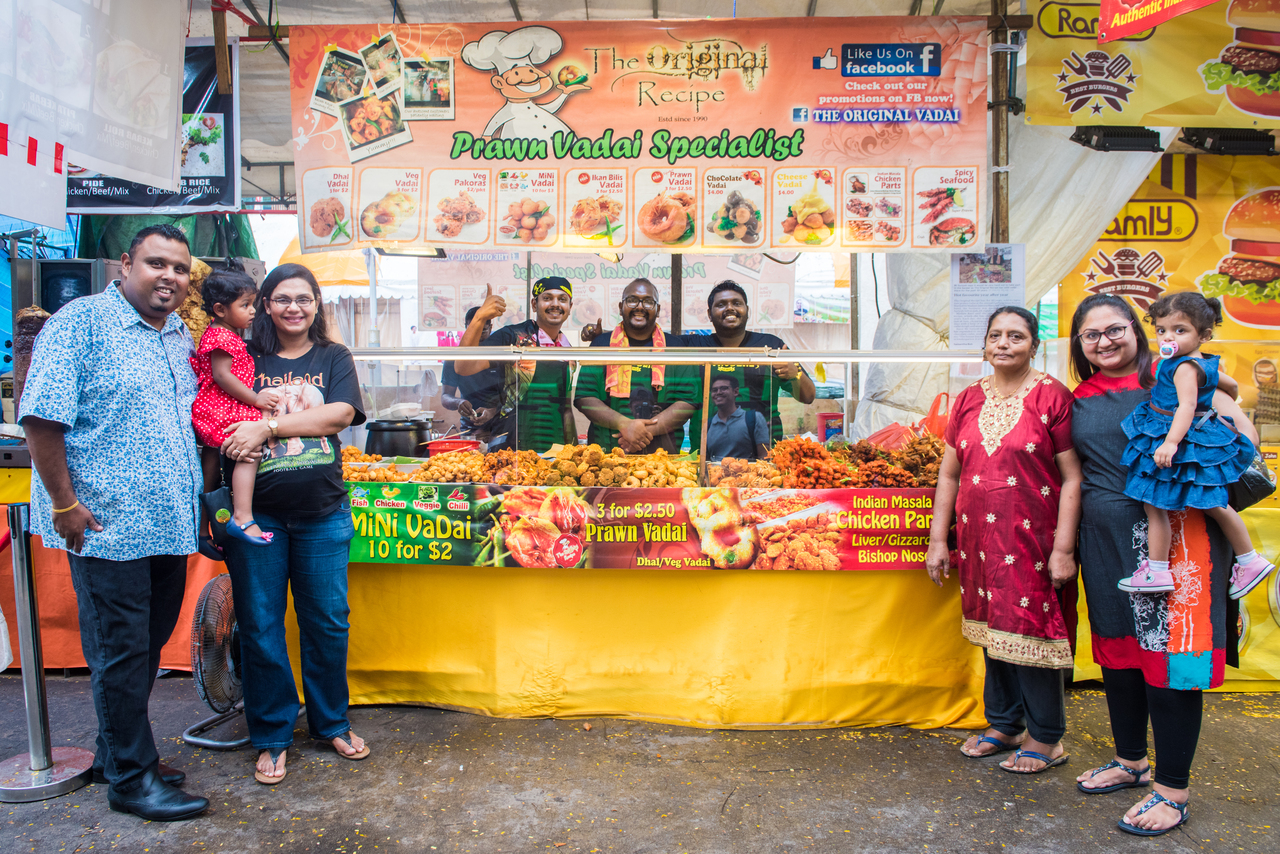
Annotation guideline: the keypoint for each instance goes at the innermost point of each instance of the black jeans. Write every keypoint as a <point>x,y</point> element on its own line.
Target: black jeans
<point>1018,697</point>
<point>128,609</point>
<point>1175,724</point>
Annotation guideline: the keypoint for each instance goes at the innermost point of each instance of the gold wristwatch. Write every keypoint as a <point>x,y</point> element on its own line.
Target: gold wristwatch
<point>272,424</point>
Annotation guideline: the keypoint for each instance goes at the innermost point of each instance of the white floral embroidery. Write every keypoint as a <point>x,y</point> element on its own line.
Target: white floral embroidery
<point>1008,559</point>
<point>1023,602</point>
<point>1026,523</point>
<point>1039,566</point>
<point>1046,607</point>
<point>1031,447</point>
<point>980,593</point>
<point>964,443</point>
<point>991,517</point>
<point>1044,490</point>
<point>1011,481</point>
<point>976,478</point>
<point>961,589</point>
<point>1044,419</point>
<point>963,556</point>
<point>988,595</point>
<point>982,556</point>
<point>964,517</point>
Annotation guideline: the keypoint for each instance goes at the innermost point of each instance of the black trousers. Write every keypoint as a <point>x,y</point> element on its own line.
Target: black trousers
<point>1018,697</point>
<point>1175,724</point>
<point>127,612</point>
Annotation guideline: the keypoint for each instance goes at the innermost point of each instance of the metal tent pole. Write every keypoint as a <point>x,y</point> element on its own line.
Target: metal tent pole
<point>41,773</point>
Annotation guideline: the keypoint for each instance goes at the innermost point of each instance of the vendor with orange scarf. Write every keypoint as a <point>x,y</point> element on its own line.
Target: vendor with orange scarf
<point>639,408</point>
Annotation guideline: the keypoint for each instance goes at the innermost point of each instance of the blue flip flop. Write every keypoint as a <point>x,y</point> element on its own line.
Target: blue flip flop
<point>1156,798</point>
<point>1136,782</point>
<point>1048,763</point>
<point>1002,747</point>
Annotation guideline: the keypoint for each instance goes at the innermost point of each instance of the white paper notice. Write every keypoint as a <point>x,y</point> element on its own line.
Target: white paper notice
<point>981,282</point>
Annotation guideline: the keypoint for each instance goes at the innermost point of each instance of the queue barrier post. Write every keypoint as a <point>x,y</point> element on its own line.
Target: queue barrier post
<point>43,772</point>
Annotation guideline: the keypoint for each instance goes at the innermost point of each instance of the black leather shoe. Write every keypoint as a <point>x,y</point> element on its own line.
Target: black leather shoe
<point>156,800</point>
<point>172,776</point>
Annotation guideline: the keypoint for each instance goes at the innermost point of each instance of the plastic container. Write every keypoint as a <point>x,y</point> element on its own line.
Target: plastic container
<point>444,446</point>
<point>830,424</point>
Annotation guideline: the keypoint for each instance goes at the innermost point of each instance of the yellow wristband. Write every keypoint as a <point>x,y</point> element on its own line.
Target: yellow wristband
<point>67,509</point>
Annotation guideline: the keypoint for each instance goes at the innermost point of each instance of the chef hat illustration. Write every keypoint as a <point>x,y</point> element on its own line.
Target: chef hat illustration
<point>501,51</point>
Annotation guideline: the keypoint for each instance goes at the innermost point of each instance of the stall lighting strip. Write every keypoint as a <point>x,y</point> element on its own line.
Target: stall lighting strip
<point>669,356</point>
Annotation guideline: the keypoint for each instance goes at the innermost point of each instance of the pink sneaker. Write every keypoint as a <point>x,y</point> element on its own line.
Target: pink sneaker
<point>1245,577</point>
<point>1147,580</point>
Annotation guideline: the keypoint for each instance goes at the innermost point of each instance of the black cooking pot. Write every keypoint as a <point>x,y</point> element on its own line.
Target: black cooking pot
<point>397,438</point>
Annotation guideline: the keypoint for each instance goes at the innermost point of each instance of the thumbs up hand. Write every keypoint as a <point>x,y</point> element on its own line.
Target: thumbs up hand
<point>591,330</point>
<point>828,61</point>
<point>494,306</point>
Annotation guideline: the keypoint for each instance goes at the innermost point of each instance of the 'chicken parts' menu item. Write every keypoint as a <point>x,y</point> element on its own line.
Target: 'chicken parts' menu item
<point>700,137</point>
<point>872,207</point>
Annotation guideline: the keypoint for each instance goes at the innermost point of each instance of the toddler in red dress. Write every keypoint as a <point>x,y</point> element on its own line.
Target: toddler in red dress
<point>225,372</point>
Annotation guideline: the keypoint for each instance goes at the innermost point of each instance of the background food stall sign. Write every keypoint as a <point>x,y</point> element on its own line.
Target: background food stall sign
<point>1214,67</point>
<point>1120,19</point>
<point>670,529</point>
<point>725,136</point>
<point>209,159</point>
<point>1210,224</point>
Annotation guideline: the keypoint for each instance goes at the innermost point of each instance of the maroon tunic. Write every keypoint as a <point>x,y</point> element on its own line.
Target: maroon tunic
<point>1006,516</point>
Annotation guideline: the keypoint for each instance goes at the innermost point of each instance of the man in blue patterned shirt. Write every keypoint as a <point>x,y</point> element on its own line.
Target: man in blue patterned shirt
<point>107,413</point>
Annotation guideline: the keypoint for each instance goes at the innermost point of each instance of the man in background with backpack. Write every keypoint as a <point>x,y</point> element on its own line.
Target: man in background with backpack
<point>734,431</point>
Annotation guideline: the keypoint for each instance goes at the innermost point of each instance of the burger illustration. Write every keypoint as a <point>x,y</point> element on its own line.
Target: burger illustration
<point>1249,69</point>
<point>1248,280</point>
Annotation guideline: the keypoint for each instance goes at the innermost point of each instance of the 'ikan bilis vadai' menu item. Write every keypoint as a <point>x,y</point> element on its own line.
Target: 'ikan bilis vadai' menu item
<point>327,192</point>
<point>390,200</point>
<point>803,207</point>
<point>667,213</point>
<point>595,208</point>
<point>945,207</point>
<point>340,78</point>
<point>459,200</point>
<point>527,202</point>
<point>735,204</point>
<point>872,207</point>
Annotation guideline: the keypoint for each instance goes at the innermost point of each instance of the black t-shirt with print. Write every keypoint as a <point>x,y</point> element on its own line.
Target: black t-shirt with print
<point>302,477</point>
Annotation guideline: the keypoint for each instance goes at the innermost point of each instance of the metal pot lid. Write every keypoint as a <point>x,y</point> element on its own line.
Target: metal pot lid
<point>386,426</point>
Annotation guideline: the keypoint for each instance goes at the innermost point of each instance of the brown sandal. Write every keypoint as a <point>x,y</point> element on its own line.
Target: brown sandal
<point>269,779</point>
<point>346,737</point>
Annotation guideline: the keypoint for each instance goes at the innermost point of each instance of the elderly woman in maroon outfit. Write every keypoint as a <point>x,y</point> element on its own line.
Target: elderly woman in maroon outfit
<point>1011,480</point>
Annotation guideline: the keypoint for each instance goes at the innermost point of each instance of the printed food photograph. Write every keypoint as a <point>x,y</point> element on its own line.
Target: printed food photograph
<point>937,202</point>
<point>383,60</point>
<point>436,310</point>
<point>341,78</point>
<point>596,218</point>
<point>889,206</point>
<point>203,153</point>
<point>770,312</point>
<point>329,219</point>
<point>130,87</point>
<point>737,219</point>
<point>810,219</point>
<point>528,220</point>
<point>859,207</point>
<point>888,231</point>
<point>956,231</point>
<point>371,118</point>
<point>859,229</point>
<point>668,218</point>
<point>456,213</point>
<point>586,311</point>
<point>384,218</point>
<point>857,183</point>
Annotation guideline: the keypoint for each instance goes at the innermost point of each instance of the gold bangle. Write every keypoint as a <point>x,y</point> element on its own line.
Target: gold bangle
<point>67,509</point>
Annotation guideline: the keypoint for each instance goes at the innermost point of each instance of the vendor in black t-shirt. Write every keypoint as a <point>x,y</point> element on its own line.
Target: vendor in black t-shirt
<point>474,398</point>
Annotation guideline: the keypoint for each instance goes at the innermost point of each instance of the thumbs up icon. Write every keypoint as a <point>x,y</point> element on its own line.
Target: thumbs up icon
<point>828,61</point>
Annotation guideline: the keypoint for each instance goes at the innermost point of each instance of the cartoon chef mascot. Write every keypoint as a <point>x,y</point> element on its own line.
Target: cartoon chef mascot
<point>514,58</point>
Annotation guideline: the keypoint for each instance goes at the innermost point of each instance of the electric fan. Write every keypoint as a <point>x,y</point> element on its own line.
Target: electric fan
<point>215,663</point>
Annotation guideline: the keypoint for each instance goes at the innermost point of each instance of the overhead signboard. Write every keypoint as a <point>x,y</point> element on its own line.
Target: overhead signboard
<point>725,136</point>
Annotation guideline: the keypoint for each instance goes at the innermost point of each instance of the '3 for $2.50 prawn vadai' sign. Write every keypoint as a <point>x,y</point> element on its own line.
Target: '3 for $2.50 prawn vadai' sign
<point>682,136</point>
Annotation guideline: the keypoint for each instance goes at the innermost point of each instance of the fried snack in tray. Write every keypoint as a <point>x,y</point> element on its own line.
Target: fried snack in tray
<point>744,473</point>
<point>808,543</point>
<point>805,464</point>
<point>589,465</point>
<point>373,473</point>
<point>351,454</point>
<point>451,467</point>
<point>922,457</point>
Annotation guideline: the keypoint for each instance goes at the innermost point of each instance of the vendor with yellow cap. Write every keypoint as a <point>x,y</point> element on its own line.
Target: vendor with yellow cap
<point>534,411</point>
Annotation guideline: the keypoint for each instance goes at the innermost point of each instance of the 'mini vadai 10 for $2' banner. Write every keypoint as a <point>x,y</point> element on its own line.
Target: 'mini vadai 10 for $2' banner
<point>1209,224</point>
<point>1217,67</point>
<point>683,136</point>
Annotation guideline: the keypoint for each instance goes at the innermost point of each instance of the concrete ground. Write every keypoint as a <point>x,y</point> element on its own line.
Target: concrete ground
<point>452,782</point>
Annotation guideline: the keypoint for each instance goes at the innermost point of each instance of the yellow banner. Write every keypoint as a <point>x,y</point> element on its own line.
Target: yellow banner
<point>1214,67</point>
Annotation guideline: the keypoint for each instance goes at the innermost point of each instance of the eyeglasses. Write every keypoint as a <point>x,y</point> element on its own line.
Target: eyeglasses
<point>285,302</point>
<point>636,302</point>
<point>1114,333</point>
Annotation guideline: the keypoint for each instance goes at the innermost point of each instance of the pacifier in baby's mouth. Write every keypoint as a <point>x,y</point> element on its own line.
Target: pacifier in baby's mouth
<point>1168,349</point>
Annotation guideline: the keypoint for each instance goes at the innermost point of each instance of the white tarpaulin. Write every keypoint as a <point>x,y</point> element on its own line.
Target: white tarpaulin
<point>103,79</point>
<point>1061,197</point>
<point>34,176</point>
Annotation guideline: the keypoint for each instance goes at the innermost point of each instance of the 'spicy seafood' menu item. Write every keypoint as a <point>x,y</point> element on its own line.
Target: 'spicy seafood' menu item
<point>945,207</point>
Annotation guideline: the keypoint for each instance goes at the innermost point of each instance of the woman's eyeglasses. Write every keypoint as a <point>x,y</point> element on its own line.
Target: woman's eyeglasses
<point>635,302</point>
<point>284,302</point>
<point>1113,333</point>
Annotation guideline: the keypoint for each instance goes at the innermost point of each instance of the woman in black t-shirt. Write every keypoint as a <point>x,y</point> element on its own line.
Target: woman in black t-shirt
<point>301,500</point>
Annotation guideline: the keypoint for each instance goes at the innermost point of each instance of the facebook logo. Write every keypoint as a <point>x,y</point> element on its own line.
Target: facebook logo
<point>800,114</point>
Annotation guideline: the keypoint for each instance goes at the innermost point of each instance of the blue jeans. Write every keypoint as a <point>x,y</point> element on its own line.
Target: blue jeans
<point>128,609</point>
<point>309,557</point>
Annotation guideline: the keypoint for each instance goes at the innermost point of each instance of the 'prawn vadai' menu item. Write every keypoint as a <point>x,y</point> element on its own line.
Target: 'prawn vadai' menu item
<point>804,204</point>
<point>326,196</point>
<point>372,125</point>
<point>596,200</point>
<point>667,211</point>
<point>391,199</point>
<point>944,206</point>
<point>734,199</point>
<point>527,202</point>
<point>341,77</point>
<point>459,205</point>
